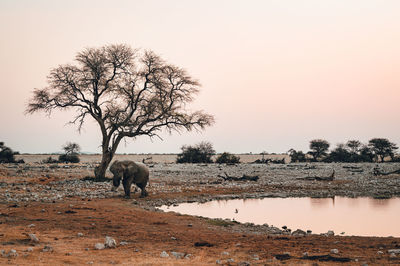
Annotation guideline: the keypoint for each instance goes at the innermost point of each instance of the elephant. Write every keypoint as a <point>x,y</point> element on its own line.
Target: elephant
<point>130,172</point>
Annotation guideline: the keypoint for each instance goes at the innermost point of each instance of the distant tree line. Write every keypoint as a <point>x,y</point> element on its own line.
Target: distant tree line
<point>376,150</point>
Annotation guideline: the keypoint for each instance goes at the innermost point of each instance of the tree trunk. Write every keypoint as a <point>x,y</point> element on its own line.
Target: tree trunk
<point>100,171</point>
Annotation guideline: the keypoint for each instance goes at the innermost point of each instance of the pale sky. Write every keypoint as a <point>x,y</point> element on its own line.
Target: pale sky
<point>275,74</point>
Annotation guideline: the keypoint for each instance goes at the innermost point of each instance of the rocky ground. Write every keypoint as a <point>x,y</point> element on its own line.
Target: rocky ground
<point>56,214</point>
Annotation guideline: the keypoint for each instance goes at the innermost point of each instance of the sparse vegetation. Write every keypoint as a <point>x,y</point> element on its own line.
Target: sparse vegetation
<point>228,158</point>
<point>382,148</point>
<point>297,156</point>
<point>71,153</point>
<point>7,155</point>
<point>49,160</point>
<point>319,148</point>
<point>199,153</point>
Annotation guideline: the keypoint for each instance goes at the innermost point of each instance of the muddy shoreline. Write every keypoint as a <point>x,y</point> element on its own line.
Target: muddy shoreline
<point>66,191</point>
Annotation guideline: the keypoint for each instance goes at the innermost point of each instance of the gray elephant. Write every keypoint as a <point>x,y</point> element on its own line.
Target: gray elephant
<point>130,172</point>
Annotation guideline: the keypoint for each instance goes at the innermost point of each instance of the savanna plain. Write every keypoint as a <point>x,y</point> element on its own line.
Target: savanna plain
<point>55,214</point>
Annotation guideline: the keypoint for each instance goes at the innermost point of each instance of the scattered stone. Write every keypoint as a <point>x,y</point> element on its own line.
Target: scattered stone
<point>330,233</point>
<point>34,238</point>
<point>164,254</point>
<point>218,262</point>
<point>137,250</point>
<point>30,249</point>
<point>99,246</point>
<point>3,253</point>
<point>12,254</point>
<point>178,255</point>
<point>243,263</point>
<point>79,234</point>
<point>334,251</point>
<point>225,253</point>
<point>123,243</point>
<point>43,210</point>
<point>298,232</point>
<point>255,257</point>
<point>47,248</point>
<point>309,232</point>
<point>394,251</point>
<point>190,225</point>
<point>393,255</point>
<point>188,256</point>
<point>110,242</point>
<point>68,254</point>
<point>305,254</point>
<point>379,252</point>
<point>173,238</point>
<point>31,225</point>
<point>230,260</point>
<point>86,249</point>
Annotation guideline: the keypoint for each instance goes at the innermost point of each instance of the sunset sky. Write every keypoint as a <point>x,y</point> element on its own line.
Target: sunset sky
<point>275,74</point>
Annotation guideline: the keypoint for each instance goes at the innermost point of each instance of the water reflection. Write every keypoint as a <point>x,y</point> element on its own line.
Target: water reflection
<point>354,216</point>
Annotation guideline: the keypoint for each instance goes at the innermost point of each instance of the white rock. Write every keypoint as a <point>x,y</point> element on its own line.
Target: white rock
<point>225,253</point>
<point>30,249</point>
<point>123,243</point>
<point>394,251</point>
<point>34,238</point>
<point>164,254</point>
<point>13,253</point>
<point>31,225</point>
<point>110,242</point>
<point>178,255</point>
<point>330,233</point>
<point>99,246</point>
<point>79,234</point>
<point>334,251</point>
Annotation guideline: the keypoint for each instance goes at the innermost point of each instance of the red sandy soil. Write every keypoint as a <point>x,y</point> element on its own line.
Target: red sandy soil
<point>148,233</point>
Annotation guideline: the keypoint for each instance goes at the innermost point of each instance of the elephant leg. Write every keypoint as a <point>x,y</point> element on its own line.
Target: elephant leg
<point>127,182</point>
<point>142,186</point>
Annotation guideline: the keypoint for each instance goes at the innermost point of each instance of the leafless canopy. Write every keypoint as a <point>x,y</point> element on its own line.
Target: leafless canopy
<point>128,92</point>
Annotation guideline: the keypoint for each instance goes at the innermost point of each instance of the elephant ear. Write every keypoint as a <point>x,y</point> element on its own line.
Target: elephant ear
<point>132,169</point>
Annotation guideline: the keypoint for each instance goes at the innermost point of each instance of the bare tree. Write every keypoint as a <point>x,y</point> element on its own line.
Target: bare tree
<point>71,148</point>
<point>129,93</point>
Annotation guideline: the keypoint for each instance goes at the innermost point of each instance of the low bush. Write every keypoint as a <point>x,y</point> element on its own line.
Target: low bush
<point>200,153</point>
<point>227,157</point>
<point>7,155</point>
<point>68,158</point>
<point>49,160</point>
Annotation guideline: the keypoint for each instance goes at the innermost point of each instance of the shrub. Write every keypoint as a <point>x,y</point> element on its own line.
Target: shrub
<point>68,158</point>
<point>49,160</point>
<point>199,153</point>
<point>297,156</point>
<point>7,154</point>
<point>227,157</point>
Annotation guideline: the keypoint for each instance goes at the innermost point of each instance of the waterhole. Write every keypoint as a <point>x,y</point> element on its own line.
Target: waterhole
<point>346,216</point>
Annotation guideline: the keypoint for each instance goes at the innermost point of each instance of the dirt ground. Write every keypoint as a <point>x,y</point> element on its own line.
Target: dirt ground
<point>69,227</point>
